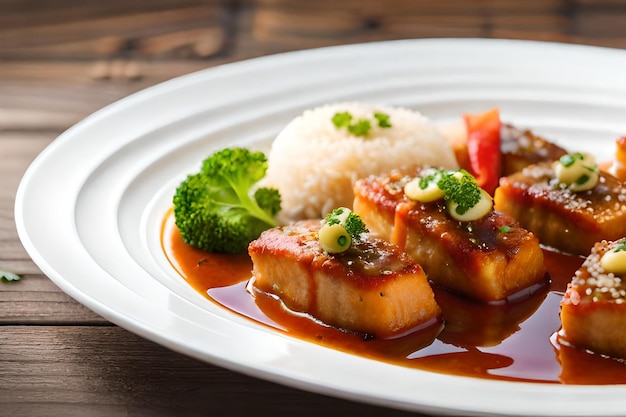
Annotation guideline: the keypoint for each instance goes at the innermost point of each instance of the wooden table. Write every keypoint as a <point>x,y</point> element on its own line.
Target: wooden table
<point>60,61</point>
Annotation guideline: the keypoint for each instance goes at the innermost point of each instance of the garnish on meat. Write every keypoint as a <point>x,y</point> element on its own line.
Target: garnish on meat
<point>464,199</point>
<point>489,259</point>
<point>561,217</point>
<point>339,228</point>
<point>577,172</point>
<point>371,287</point>
<point>593,310</point>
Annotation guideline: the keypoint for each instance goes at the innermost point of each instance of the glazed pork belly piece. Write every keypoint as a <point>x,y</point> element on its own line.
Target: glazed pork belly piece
<point>371,288</point>
<point>593,309</point>
<point>570,221</point>
<point>521,147</point>
<point>489,259</point>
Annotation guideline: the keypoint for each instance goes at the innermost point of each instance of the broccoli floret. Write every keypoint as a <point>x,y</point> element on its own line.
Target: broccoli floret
<point>215,210</point>
<point>268,199</point>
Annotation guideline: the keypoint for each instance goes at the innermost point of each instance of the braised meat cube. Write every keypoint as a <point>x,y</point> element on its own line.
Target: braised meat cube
<point>570,221</point>
<point>371,288</point>
<point>488,259</point>
<point>521,148</point>
<point>593,309</point>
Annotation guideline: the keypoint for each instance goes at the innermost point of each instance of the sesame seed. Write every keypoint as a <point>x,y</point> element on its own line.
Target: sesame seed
<point>594,282</point>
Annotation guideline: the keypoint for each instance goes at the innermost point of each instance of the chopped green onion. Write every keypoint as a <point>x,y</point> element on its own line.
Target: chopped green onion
<point>570,159</point>
<point>582,179</point>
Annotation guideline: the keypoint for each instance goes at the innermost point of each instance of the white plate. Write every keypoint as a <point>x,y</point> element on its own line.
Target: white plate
<point>89,208</point>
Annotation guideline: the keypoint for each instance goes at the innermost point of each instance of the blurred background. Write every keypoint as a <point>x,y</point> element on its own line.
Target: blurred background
<point>88,53</point>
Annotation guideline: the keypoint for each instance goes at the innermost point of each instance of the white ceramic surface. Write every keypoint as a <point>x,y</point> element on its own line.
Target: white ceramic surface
<point>89,208</point>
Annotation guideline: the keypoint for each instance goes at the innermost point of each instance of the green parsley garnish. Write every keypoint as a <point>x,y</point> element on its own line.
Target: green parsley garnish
<point>462,189</point>
<point>433,177</point>
<point>342,119</point>
<point>360,127</point>
<point>505,229</point>
<point>350,221</point>
<point>8,276</point>
<point>334,217</point>
<point>383,119</point>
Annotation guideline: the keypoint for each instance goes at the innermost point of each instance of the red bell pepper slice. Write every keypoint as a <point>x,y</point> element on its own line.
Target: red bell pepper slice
<point>483,147</point>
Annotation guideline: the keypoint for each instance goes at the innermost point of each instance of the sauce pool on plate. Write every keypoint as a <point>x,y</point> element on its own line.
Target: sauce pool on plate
<point>516,341</point>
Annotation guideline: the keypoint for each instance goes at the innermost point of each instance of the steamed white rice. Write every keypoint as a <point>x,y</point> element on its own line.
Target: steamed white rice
<point>314,164</point>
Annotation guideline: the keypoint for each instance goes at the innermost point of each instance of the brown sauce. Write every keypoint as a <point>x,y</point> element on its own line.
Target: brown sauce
<point>514,341</point>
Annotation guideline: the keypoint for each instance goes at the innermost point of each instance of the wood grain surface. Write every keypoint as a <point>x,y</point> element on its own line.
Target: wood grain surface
<point>62,60</point>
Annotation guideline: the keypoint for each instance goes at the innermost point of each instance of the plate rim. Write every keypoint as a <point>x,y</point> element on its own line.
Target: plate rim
<point>149,93</point>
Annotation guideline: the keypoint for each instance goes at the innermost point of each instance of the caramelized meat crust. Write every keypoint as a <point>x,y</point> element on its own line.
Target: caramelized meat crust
<point>371,288</point>
<point>520,148</point>
<point>566,220</point>
<point>593,309</point>
<point>488,259</point>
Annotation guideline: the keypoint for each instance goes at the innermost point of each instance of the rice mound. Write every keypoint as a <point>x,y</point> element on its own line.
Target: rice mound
<point>314,164</point>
